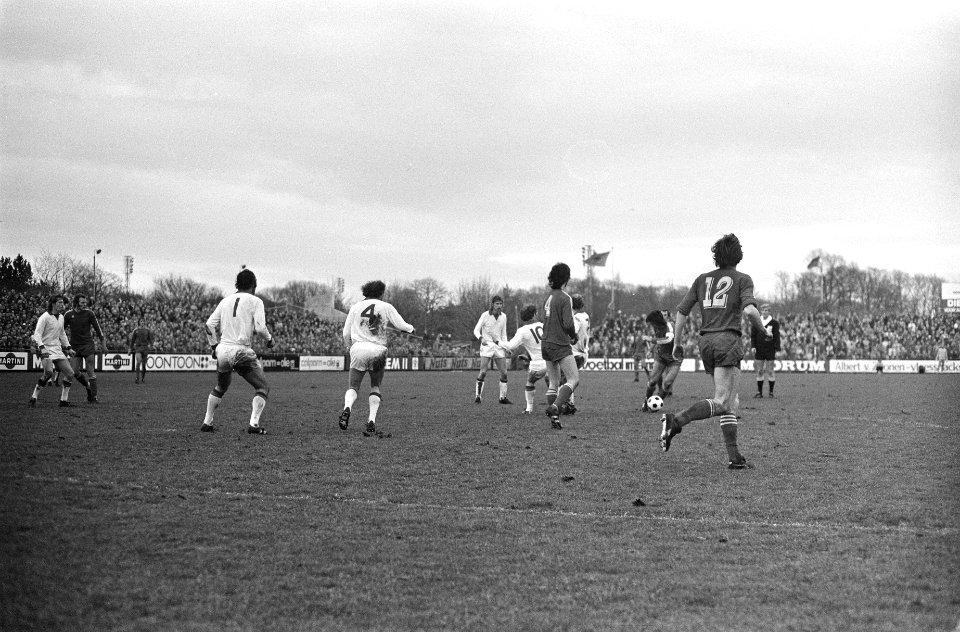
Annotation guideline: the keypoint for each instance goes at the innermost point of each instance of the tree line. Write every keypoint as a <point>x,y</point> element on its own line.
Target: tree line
<point>435,309</point>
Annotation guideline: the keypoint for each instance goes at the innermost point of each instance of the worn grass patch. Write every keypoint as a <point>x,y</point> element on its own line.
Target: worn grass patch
<point>122,516</point>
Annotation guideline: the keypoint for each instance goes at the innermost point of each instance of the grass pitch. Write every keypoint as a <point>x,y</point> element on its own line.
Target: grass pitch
<point>122,516</point>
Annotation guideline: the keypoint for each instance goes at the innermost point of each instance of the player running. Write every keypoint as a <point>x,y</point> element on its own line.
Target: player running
<point>528,336</point>
<point>365,335</point>
<point>238,318</point>
<point>54,350</point>
<point>81,323</point>
<point>665,365</point>
<point>722,295</point>
<point>491,329</point>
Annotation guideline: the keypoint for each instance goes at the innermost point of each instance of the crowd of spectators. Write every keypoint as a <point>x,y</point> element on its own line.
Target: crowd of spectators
<point>809,336</point>
<point>179,328</point>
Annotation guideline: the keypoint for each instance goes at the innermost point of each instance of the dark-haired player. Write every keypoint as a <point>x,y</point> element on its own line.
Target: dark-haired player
<point>365,335</point>
<point>529,336</point>
<point>80,324</point>
<point>722,295</point>
<point>665,365</point>
<point>491,330</point>
<point>765,343</point>
<point>54,350</point>
<point>559,336</point>
<point>239,317</point>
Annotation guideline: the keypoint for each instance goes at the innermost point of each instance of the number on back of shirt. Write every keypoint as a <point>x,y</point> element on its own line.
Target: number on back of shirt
<point>717,300</point>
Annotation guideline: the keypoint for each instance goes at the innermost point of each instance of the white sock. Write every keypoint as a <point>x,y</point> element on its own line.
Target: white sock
<point>503,390</point>
<point>374,401</point>
<point>65,394</point>
<point>529,395</point>
<point>212,402</point>
<point>259,403</point>
<point>349,398</point>
<point>36,391</point>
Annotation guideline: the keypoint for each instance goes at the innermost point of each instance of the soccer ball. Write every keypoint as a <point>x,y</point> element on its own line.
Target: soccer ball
<point>654,402</point>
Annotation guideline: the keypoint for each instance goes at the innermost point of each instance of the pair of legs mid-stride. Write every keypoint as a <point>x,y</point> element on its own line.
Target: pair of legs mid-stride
<point>558,396</point>
<point>50,368</point>
<point>245,363</point>
<point>721,355</point>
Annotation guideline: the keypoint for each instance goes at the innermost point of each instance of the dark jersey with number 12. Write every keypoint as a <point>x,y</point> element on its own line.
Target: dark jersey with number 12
<point>721,294</point>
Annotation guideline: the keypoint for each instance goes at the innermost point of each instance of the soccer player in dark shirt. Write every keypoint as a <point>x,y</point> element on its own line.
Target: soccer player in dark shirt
<point>559,336</point>
<point>765,343</point>
<point>722,295</point>
<point>141,340</point>
<point>80,323</point>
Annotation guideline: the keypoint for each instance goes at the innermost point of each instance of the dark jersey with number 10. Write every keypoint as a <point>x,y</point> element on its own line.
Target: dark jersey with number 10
<point>721,294</point>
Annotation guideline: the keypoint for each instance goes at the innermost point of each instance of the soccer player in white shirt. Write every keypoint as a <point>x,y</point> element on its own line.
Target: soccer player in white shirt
<point>580,348</point>
<point>238,318</point>
<point>491,329</point>
<point>54,350</point>
<point>528,336</point>
<point>365,335</point>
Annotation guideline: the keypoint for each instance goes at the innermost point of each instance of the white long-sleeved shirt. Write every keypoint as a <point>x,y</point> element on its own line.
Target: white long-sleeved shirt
<point>367,322</point>
<point>238,318</point>
<point>491,329</point>
<point>49,332</point>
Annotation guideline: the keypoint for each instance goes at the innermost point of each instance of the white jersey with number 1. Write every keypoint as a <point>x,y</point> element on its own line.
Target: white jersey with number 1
<point>238,317</point>
<point>367,321</point>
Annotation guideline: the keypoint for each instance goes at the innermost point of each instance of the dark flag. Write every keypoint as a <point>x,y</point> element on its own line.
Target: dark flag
<point>597,259</point>
<point>813,263</point>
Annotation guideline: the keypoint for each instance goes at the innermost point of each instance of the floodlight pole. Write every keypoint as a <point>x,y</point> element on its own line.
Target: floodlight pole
<point>98,251</point>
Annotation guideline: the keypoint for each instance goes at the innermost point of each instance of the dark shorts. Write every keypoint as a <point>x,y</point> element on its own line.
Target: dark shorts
<point>666,359</point>
<point>765,354</point>
<point>85,350</point>
<point>721,349</point>
<point>553,352</point>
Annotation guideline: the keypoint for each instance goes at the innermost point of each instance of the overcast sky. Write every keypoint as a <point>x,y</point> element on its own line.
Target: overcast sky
<point>464,140</point>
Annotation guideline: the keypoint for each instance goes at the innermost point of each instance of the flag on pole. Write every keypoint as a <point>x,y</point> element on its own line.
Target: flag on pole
<point>813,263</point>
<point>597,259</point>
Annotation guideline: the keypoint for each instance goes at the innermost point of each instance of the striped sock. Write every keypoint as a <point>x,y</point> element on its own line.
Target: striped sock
<point>728,426</point>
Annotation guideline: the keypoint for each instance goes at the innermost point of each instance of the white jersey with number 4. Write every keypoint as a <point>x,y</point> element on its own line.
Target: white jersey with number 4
<point>367,322</point>
<point>238,317</point>
<point>529,337</point>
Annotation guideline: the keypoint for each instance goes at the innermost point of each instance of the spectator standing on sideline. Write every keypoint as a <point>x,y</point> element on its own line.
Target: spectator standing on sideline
<point>722,294</point>
<point>141,342</point>
<point>491,330</point>
<point>238,317</point>
<point>54,349</point>
<point>765,343</point>
<point>365,335</point>
<point>942,355</point>
<point>81,325</point>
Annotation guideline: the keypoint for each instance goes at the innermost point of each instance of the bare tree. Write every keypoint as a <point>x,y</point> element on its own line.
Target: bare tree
<point>173,288</point>
<point>430,295</point>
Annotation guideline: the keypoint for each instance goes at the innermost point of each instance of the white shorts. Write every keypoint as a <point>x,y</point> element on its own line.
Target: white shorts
<point>55,351</point>
<point>236,358</point>
<point>490,350</point>
<point>367,356</point>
